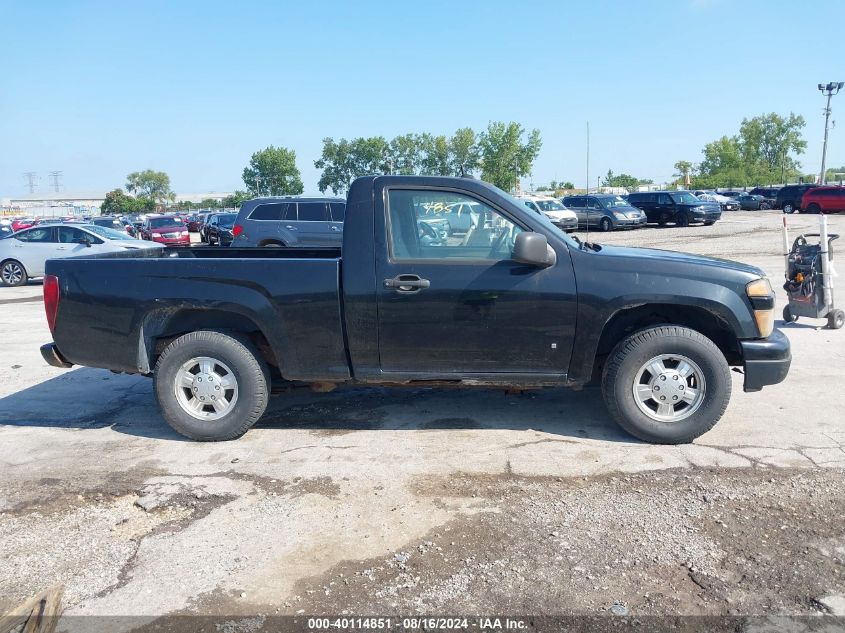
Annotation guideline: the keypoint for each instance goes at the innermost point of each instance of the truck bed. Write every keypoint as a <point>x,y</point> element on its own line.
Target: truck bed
<point>115,308</point>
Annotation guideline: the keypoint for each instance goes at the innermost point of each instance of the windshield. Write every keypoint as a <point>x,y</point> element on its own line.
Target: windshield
<point>107,233</point>
<point>615,201</point>
<point>550,205</point>
<point>157,223</point>
<point>684,198</point>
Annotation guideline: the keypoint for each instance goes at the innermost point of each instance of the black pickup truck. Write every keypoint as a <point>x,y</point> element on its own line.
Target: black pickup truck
<point>511,301</point>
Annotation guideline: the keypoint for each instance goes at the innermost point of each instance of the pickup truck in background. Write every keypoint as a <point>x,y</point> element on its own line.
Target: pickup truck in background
<point>513,302</point>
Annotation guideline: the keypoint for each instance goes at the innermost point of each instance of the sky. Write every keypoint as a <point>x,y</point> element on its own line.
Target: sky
<point>99,89</point>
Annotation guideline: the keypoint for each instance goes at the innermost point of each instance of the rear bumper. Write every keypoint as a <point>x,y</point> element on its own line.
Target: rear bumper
<point>766,360</point>
<point>51,354</point>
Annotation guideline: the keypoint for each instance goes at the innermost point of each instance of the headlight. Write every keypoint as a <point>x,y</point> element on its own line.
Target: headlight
<point>156,234</point>
<point>618,216</point>
<point>762,299</point>
<point>184,233</point>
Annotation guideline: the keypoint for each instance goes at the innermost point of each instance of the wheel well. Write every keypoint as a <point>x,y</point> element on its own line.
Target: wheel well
<point>626,322</point>
<point>160,330</point>
<point>271,243</point>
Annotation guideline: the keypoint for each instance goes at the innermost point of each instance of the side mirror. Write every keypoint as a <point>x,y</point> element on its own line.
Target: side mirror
<point>533,249</point>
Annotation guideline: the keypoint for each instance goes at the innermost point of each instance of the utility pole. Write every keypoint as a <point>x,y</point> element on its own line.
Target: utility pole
<point>828,90</point>
<point>30,181</point>
<point>56,175</point>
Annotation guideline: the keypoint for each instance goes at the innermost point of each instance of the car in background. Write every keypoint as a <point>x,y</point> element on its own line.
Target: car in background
<point>605,212</point>
<point>769,194</point>
<point>195,221</point>
<point>680,207</point>
<point>748,202</point>
<point>824,199</point>
<point>789,197</point>
<point>24,253</point>
<point>113,222</point>
<point>218,228</point>
<point>293,221</point>
<point>166,230</point>
<point>5,228</point>
<point>727,203</point>
<point>19,224</point>
<point>563,218</point>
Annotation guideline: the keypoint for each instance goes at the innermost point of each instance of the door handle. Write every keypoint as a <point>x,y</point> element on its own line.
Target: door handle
<point>290,228</point>
<point>334,228</point>
<point>407,283</point>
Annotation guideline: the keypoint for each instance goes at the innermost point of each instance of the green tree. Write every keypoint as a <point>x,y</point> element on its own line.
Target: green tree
<point>117,202</point>
<point>405,155</point>
<point>343,161</point>
<point>435,155</point>
<point>621,180</point>
<point>505,156</point>
<point>234,201</point>
<point>568,186</point>
<point>830,175</point>
<point>151,184</point>
<point>273,171</point>
<point>464,152</point>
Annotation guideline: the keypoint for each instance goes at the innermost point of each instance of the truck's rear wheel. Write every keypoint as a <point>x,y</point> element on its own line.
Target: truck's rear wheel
<point>667,384</point>
<point>211,386</point>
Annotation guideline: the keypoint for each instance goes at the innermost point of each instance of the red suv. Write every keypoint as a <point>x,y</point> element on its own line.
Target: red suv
<point>167,230</point>
<point>823,200</point>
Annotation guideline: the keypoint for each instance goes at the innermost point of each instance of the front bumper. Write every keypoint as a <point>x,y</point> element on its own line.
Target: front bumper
<point>51,354</point>
<point>630,223</point>
<point>708,216</point>
<point>566,224</point>
<point>766,360</point>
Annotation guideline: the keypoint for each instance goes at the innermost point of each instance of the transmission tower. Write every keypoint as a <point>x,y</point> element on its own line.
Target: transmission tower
<point>30,180</point>
<point>56,175</point>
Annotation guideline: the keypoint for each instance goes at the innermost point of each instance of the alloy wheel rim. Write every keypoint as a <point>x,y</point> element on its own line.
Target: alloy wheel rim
<point>205,388</point>
<point>669,388</point>
<point>12,273</point>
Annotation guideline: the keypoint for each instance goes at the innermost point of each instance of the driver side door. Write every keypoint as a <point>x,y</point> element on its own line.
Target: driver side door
<point>461,305</point>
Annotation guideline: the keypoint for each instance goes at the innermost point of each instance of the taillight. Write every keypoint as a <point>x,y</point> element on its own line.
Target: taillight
<point>237,230</point>
<point>51,299</point>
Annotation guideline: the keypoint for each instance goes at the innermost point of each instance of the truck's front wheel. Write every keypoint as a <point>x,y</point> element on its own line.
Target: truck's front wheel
<point>211,386</point>
<point>667,384</point>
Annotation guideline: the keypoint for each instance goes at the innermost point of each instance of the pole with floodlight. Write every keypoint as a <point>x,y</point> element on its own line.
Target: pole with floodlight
<point>828,90</point>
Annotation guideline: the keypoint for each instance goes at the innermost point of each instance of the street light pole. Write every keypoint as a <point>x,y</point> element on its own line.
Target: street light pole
<point>828,90</point>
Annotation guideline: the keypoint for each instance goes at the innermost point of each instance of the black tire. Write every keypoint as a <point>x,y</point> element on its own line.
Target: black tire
<point>662,220</point>
<point>709,222</point>
<point>13,273</point>
<point>250,372</point>
<point>835,319</point>
<point>765,206</point>
<point>626,362</point>
<point>788,317</point>
<point>682,219</point>
<point>788,207</point>
<point>814,209</point>
<point>605,225</point>
<point>272,245</point>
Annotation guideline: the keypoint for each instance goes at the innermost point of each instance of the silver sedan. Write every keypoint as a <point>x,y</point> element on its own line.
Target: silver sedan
<point>23,254</point>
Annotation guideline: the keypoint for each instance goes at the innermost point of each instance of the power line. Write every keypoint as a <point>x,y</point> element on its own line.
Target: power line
<point>30,180</point>
<point>56,175</point>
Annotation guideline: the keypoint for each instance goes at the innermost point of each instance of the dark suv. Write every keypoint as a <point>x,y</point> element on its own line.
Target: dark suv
<point>290,221</point>
<point>680,207</point>
<point>789,197</point>
<point>769,194</point>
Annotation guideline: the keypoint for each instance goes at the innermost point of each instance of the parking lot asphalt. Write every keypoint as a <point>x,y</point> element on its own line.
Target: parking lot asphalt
<point>369,499</point>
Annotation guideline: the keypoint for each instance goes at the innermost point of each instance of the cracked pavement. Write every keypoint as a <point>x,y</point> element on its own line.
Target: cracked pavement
<point>96,492</point>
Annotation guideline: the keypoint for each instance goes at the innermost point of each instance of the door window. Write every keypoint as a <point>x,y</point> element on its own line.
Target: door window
<point>312,212</point>
<point>40,235</point>
<point>274,211</point>
<point>338,210</point>
<point>413,234</point>
<point>70,235</point>
<point>663,198</point>
<point>592,203</point>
